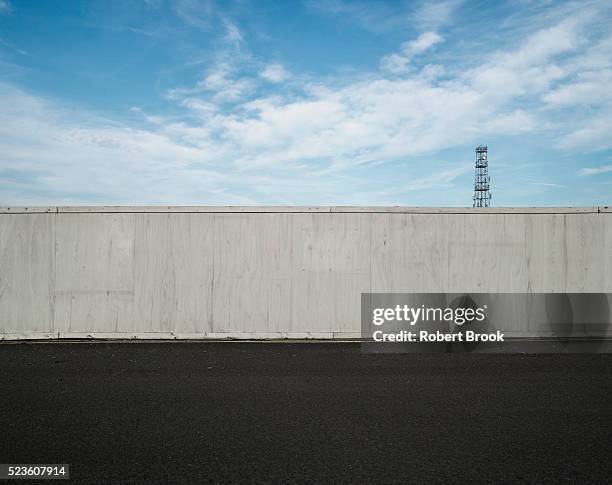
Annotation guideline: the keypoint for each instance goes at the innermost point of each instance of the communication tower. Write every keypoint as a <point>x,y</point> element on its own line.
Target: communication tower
<point>482,193</point>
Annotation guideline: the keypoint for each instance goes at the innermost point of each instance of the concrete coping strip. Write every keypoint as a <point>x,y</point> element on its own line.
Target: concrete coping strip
<point>303,209</point>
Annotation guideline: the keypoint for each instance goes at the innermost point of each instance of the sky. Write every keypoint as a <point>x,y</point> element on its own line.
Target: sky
<point>312,102</point>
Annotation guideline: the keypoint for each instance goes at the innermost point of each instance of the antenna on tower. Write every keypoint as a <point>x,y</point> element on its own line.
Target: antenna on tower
<point>482,194</point>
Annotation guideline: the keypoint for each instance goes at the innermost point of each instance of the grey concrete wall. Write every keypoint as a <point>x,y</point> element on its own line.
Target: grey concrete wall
<point>198,272</point>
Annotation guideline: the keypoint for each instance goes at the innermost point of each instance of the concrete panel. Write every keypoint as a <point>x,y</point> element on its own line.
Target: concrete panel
<point>252,274</point>
<point>410,253</point>
<point>331,263</point>
<point>584,250</point>
<point>173,273</point>
<point>546,256</point>
<point>94,284</point>
<point>607,250</point>
<point>487,253</point>
<point>27,272</point>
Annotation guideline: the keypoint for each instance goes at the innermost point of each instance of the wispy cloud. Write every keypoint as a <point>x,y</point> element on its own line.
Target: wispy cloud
<point>154,4</point>
<point>596,170</point>
<point>590,134</point>
<point>196,13</point>
<point>233,35</point>
<point>274,72</point>
<point>383,17</point>
<point>431,15</point>
<point>548,184</point>
<point>400,62</point>
<point>373,16</point>
<point>5,6</point>
<point>440,180</point>
<point>13,47</point>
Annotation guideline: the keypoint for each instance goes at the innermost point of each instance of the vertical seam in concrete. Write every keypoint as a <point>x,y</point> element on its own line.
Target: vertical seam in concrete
<point>291,268</point>
<point>603,248</point>
<point>212,281</point>
<point>448,254</point>
<point>151,298</point>
<point>54,272</point>
<point>191,233</point>
<point>173,266</point>
<point>370,251</point>
<point>528,251</point>
<point>134,264</point>
<point>565,253</point>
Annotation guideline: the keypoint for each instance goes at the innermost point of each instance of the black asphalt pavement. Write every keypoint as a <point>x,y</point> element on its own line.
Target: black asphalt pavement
<point>304,412</point>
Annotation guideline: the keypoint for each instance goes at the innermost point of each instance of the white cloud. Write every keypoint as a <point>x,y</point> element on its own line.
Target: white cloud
<point>547,43</point>
<point>421,44</point>
<point>154,4</point>
<point>443,179</point>
<point>432,71</point>
<point>433,15</point>
<point>233,35</point>
<point>596,170</point>
<point>394,63</point>
<point>373,16</point>
<point>515,122</point>
<point>384,16</point>
<point>534,66</point>
<point>592,134</point>
<point>548,184</point>
<point>197,13</point>
<point>13,47</point>
<point>400,62</point>
<point>591,87</point>
<point>219,80</point>
<point>274,73</point>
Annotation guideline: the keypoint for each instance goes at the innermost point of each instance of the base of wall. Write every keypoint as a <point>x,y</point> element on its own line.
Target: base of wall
<point>248,336</point>
<point>182,336</point>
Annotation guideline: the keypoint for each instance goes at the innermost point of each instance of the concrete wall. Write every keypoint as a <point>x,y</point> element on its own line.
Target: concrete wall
<point>165,272</point>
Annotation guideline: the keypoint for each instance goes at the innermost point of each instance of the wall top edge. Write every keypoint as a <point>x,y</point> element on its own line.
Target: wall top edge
<point>303,209</point>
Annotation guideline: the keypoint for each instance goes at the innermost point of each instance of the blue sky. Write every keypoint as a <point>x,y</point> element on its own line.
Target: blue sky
<point>314,102</point>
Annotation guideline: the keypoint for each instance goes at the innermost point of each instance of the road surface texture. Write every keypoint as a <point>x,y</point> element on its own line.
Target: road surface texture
<point>304,412</point>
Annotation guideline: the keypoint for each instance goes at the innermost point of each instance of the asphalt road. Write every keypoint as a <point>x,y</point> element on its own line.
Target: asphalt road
<point>254,412</point>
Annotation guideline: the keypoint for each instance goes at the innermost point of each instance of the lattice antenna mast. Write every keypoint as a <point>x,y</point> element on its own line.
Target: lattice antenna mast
<point>482,194</point>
